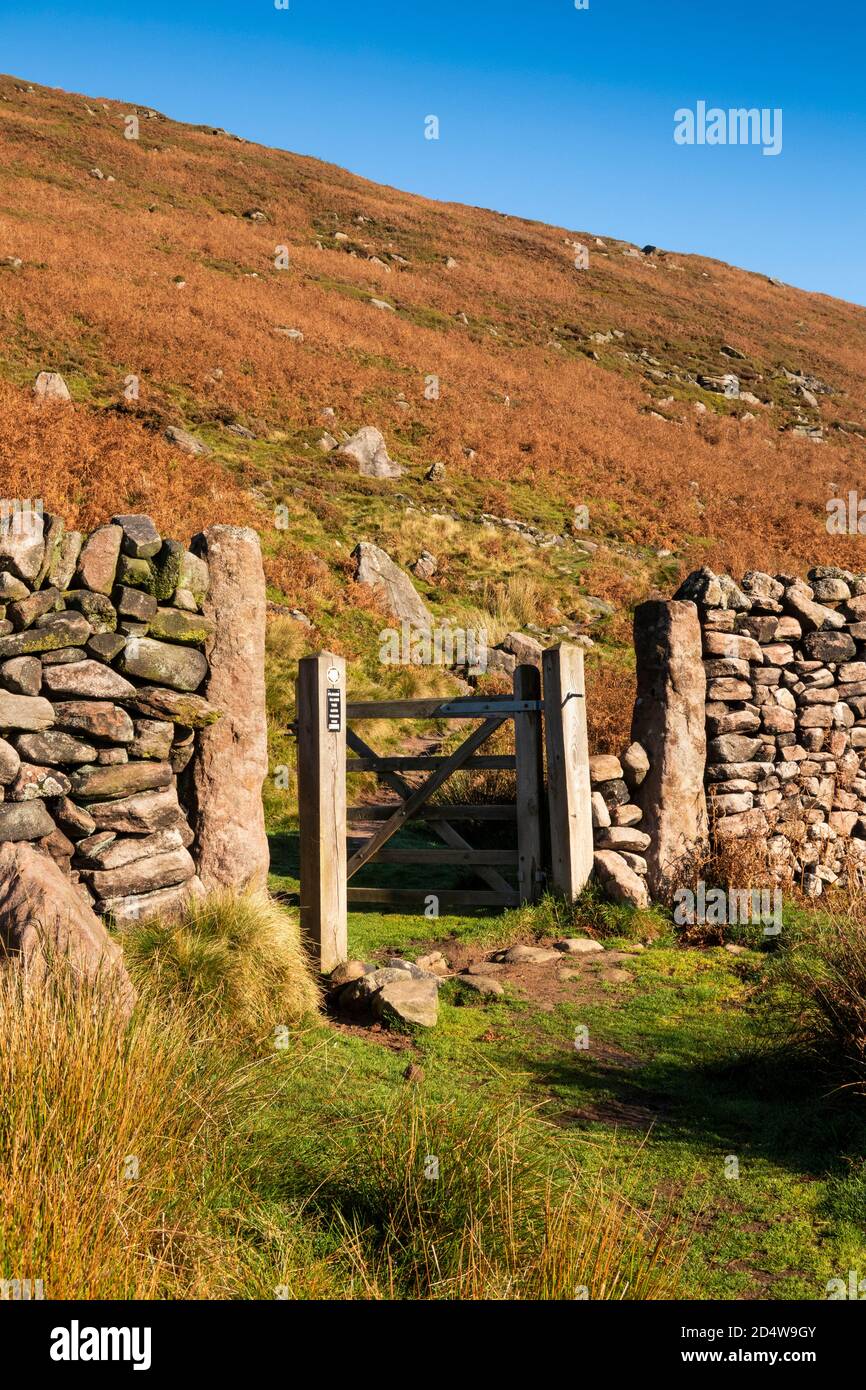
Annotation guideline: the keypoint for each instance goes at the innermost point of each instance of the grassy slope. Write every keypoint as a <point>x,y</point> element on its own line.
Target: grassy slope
<point>551,428</point>
<point>97,299</point>
<point>686,1067</point>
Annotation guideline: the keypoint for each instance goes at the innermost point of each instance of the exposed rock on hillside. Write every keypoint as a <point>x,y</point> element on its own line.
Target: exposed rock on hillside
<point>376,570</point>
<point>368,449</point>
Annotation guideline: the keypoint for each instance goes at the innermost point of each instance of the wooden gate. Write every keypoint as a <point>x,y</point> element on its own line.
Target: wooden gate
<point>553,841</point>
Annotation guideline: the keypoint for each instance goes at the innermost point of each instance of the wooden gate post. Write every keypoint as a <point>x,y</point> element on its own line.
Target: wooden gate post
<point>321,709</point>
<point>530,786</point>
<point>568,785</point>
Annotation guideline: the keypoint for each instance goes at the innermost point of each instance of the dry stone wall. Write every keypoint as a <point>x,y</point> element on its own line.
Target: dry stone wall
<point>785,664</point>
<point>620,844</point>
<point>102,641</point>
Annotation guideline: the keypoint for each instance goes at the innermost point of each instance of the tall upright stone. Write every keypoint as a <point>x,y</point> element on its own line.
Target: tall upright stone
<point>231,761</point>
<point>669,723</point>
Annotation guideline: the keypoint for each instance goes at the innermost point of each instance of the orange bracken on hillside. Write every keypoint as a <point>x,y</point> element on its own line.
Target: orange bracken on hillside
<point>160,274</point>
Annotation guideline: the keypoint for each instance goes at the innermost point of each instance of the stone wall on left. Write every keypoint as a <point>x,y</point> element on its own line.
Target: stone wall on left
<point>102,642</point>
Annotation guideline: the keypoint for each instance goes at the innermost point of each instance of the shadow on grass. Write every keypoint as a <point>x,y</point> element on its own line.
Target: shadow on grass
<point>768,1103</point>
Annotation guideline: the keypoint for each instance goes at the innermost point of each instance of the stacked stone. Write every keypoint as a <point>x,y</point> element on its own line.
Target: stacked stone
<point>100,657</point>
<point>619,846</point>
<point>785,663</point>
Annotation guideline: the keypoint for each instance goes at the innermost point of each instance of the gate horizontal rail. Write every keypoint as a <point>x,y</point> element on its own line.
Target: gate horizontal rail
<point>417,898</point>
<point>440,709</point>
<point>446,856</point>
<point>435,810</point>
<point>489,762</point>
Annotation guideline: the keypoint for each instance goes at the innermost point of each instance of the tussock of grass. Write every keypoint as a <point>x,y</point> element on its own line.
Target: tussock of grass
<point>237,960</point>
<point>824,972</point>
<point>469,1202</point>
<point>112,1140</point>
<point>158,1159</point>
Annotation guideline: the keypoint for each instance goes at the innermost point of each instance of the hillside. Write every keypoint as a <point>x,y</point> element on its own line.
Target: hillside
<point>626,1104</point>
<point>558,387</point>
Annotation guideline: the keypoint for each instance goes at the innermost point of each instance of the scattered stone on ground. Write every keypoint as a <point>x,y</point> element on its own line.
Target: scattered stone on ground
<point>526,955</point>
<point>434,962</point>
<point>368,449</point>
<point>483,984</point>
<point>425,566</point>
<point>182,439</point>
<point>578,946</point>
<point>376,570</point>
<point>50,386</point>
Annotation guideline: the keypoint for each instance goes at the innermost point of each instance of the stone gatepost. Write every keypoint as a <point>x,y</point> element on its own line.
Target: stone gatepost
<point>669,722</point>
<point>231,762</point>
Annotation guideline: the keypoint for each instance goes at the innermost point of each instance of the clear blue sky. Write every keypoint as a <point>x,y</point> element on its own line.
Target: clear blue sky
<point>546,111</point>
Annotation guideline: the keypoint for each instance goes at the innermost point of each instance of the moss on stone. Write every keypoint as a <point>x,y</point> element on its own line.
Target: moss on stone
<point>176,626</point>
<point>137,574</point>
<point>167,570</point>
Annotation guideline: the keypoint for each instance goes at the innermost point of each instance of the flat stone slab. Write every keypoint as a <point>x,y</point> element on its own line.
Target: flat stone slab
<point>177,626</point>
<point>64,630</point>
<point>484,984</point>
<point>124,779</point>
<point>89,680</point>
<point>604,767</point>
<point>578,946</point>
<point>54,746</point>
<point>27,713</point>
<point>527,955</point>
<point>192,711</point>
<point>181,668</point>
<point>141,814</point>
<point>622,837</point>
<point>145,875</point>
<point>96,718</point>
<point>141,907</point>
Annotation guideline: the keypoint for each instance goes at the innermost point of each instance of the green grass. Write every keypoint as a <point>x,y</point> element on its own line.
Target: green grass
<point>559,1167</point>
<point>687,1069</point>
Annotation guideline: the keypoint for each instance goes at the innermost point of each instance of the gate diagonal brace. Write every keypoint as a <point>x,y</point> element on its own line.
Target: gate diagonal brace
<point>443,828</point>
<point>419,795</point>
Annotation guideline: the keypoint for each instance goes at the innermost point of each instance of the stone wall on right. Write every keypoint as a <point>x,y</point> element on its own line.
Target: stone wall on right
<point>785,661</point>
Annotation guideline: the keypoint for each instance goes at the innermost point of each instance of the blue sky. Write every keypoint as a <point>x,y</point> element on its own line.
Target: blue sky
<point>545,111</point>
